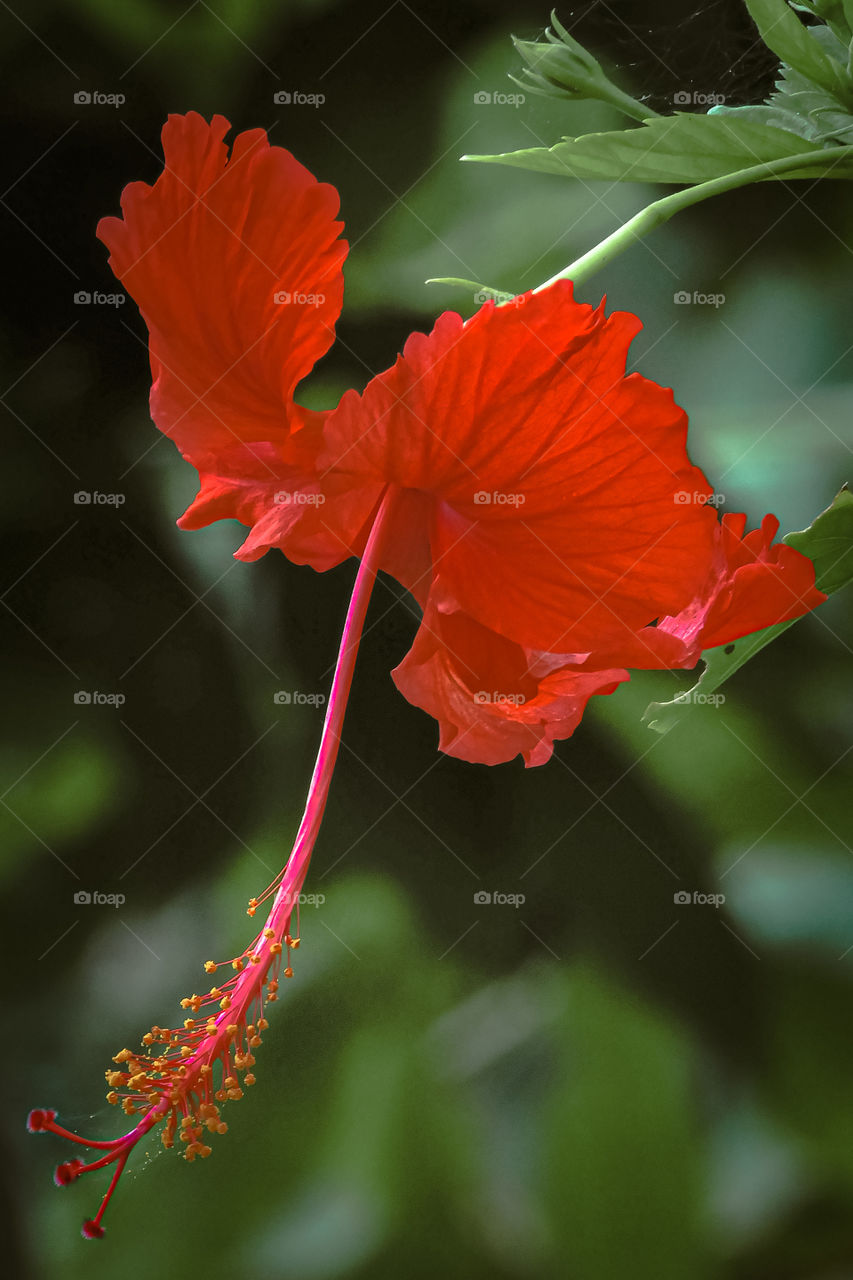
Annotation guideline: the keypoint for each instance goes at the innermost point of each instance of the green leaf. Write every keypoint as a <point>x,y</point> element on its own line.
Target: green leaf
<point>682,148</point>
<point>828,543</point>
<point>837,14</point>
<point>796,45</point>
<point>624,1161</point>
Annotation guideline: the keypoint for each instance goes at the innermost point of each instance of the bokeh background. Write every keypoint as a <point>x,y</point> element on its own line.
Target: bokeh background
<point>594,1084</point>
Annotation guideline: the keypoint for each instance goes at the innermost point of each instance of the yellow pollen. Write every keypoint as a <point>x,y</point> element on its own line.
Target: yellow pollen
<point>249,1079</point>
<point>209,966</point>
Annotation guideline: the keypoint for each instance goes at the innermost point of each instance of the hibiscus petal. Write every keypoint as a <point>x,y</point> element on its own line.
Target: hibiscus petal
<point>482,690</point>
<point>206,252</point>
<point>559,519</point>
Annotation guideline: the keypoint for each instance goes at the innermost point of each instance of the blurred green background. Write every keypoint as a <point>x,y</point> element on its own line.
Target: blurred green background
<point>598,1083</point>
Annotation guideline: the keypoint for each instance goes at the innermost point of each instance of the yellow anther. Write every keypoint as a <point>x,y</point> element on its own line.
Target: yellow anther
<point>255,959</point>
<point>262,1024</point>
<point>232,1028</point>
<point>249,1079</point>
<point>254,1041</point>
<point>148,1038</point>
<point>187,1122</point>
<point>186,1051</point>
<point>210,966</point>
<point>189,1023</point>
<point>225,1002</point>
<point>123,1056</point>
<point>205,1070</point>
<point>235,1094</point>
<point>220,1095</point>
<point>238,964</point>
<point>215,992</point>
<point>222,1127</point>
<point>112,1098</point>
<point>288,973</point>
<point>275,949</point>
<point>272,999</point>
<point>294,942</point>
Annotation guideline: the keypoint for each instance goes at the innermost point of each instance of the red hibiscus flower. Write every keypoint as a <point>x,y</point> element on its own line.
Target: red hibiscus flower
<point>526,491</point>
<point>538,489</point>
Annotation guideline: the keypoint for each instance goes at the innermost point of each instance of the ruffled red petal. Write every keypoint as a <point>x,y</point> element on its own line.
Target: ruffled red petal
<point>554,478</point>
<point>236,266</point>
<point>757,584</point>
<point>491,698</point>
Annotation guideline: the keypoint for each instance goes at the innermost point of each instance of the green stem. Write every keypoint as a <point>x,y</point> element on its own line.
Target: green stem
<point>660,211</point>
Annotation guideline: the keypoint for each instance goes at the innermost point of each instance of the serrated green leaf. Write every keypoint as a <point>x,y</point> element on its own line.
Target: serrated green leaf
<point>796,45</point>
<point>682,148</point>
<point>828,543</point>
<point>838,14</point>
